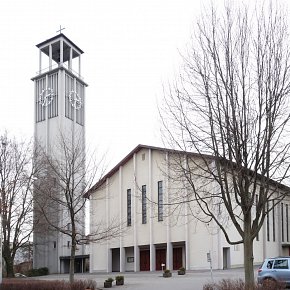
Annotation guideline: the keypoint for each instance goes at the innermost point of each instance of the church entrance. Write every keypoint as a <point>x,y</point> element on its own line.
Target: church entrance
<point>81,264</point>
<point>144,260</point>
<point>116,260</point>
<point>177,258</point>
<point>226,258</point>
<point>160,258</point>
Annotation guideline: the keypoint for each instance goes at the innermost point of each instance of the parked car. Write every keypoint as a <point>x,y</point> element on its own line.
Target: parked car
<point>275,269</point>
<point>19,275</point>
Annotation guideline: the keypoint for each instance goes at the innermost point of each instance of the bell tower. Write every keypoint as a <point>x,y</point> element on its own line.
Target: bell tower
<point>59,102</point>
<point>59,89</point>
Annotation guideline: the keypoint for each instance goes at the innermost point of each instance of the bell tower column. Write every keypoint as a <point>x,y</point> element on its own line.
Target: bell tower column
<point>59,103</point>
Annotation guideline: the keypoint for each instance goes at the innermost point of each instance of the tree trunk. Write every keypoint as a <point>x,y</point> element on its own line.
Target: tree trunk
<point>248,255</point>
<point>9,267</point>
<point>9,261</point>
<point>72,261</point>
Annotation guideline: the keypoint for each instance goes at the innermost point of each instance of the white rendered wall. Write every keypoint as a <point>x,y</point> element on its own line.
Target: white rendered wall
<point>202,238</point>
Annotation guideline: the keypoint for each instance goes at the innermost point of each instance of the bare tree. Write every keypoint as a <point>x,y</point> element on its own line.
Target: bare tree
<point>17,173</point>
<point>25,252</point>
<point>60,204</point>
<point>231,107</point>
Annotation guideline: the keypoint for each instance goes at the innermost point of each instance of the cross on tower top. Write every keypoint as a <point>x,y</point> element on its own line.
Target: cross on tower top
<point>60,29</point>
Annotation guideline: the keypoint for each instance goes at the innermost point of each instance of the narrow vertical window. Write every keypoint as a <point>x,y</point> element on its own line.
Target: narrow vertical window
<point>287,223</point>
<point>274,230</point>
<point>144,213</point>
<point>129,208</point>
<point>54,244</point>
<point>160,201</point>
<point>257,200</point>
<point>282,221</point>
<point>268,223</point>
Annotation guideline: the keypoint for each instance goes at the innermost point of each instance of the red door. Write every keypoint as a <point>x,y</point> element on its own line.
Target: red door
<point>177,258</point>
<point>145,260</point>
<point>160,258</point>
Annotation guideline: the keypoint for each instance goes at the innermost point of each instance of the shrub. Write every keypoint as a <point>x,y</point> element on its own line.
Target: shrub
<point>84,284</point>
<point>272,285</point>
<point>110,279</point>
<point>231,284</point>
<point>37,272</point>
<point>166,271</point>
<point>227,284</point>
<point>119,278</point>
<point>17,284</point>
<point>209,286</point>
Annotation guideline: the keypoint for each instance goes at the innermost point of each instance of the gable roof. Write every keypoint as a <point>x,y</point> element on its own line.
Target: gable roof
<point>165,150</point>
<point>128,157</point>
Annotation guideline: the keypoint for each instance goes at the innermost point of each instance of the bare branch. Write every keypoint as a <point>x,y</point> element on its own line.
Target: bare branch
<point>230,107</point>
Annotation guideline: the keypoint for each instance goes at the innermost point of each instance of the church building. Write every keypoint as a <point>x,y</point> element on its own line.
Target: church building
<point>158,231</point>
<point>156,227</point>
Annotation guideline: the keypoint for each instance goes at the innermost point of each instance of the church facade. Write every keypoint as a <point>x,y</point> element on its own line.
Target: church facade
<point>156,232</point>
<point>59,102</point>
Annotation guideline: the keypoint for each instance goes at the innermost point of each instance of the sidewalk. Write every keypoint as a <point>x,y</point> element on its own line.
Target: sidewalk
<point>193,280</point>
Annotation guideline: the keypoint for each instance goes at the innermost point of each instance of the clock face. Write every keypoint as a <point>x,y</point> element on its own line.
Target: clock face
<point>75,100</point>
<point>46,96</point>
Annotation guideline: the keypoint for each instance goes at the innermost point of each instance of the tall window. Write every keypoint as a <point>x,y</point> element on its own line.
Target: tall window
<point>80,112</point>
<point>129,208</point>
<point>69,86</point>
<point>268,222</point>
<point>274,230</point>
<point>160,201</point>
<point>144,213</point>
<point>53,106</point>
<point>282,221</point>
<point>46,97</point>
<point>257,200</point>
<point>287,223</point>
<point>40,107</point>
<point>71,92</point>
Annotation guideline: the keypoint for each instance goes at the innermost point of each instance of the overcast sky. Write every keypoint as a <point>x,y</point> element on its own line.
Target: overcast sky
<point>131,48</point>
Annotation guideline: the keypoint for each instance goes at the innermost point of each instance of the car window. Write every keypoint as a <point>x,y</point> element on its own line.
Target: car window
<point>281,264</point>
<point>269,264</point>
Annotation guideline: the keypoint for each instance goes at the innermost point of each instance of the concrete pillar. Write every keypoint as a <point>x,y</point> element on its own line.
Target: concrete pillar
<point>169,264</point>
<point>278,227</point>
<point>109,252</point>
<point>40,61</point>
<point>61,53</point>
<point>151,246</point>
<point>169,252</point>
<point>50,57</point>
<point>134,215</point>
<point>79,65</point>
<point>122,252</point>
<point>264,238</point>
<point>70,59</point>
<point>122,259</point>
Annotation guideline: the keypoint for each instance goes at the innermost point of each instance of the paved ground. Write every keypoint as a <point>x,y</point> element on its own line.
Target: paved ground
<point>193,280</point>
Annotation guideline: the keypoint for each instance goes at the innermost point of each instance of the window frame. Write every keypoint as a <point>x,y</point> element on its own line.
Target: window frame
<point>129,207</point>
<point>144,205</point>
<point>160,200</point>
